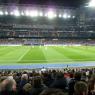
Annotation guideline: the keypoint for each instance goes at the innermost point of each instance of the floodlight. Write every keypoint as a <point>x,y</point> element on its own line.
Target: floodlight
<point>55,15</point>
<point>60,16</point>
<point>73,17</point>
<point>6,13</point>
<point>11,13</point>
<point>91,3</point>
<point>16,13</point>
<point>65,16</point>
<point>40,14</point>
<point>22,13</point>
<point>51,14</point>
<point>69,16</point>
<point>1,13</point>
<point>91,31</point>
<point>46,15</point>
<point>27,13</point>
<point>34,13</point>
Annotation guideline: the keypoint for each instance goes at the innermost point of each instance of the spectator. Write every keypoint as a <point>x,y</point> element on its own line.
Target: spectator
<point>52,92</point>
<point>47,78</point>
<point>31,82</point>
<point>77,77</point>
<point>27,87</point>
<point>92,85</point>
<point>24,80</point>
<point>9,87</point>
<point>81,88</point>
<point>37,86</point>
<point>2,83</point>
<point>25,90</point>
<point>60,82</point>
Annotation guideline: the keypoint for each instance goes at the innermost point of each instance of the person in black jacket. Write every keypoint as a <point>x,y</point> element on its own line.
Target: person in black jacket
<point>77,77</point>
<point>60,82</point>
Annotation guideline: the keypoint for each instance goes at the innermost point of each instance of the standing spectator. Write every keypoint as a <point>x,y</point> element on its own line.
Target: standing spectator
<point>60,82</point>
<point>77,77</point>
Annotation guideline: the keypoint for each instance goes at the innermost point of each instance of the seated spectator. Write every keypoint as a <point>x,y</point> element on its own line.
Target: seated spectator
<point>80,88</point>
<point>37,86</point>
<point>52,92</point>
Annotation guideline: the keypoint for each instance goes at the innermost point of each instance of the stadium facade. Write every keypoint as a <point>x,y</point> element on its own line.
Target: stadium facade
<point>31,24</point>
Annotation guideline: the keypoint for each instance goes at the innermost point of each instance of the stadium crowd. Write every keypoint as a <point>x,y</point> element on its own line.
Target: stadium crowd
<point>48,82</point>
<point>13,41</point>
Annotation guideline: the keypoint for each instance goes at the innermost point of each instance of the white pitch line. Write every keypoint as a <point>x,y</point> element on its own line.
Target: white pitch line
<point>23,55</point>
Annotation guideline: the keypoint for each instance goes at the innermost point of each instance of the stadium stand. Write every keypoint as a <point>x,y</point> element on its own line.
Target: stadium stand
<point>48,82</point>
<point>12,41</point>
<point>66,25</point>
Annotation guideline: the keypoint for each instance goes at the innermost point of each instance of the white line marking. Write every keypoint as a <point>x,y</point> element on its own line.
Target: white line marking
<point>23,55</point>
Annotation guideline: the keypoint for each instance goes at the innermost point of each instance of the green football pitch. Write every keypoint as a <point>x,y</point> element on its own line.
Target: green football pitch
<point>45,54</point>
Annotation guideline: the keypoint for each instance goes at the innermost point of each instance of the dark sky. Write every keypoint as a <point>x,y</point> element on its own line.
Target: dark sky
<point>69,3</point>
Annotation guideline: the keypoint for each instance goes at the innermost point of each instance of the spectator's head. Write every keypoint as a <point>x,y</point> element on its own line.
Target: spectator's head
<point>92,83</point>
<point>52,92</point>
<point>2,83</point>
<point>10,85</point>
<point>37,81</point>
<point>81,88</point>
<point>24,77</point>
<point>27,87</point>
<point>93,77</point>
<point>77,76</point>
<point>59,75</point>
<point>71,75</point>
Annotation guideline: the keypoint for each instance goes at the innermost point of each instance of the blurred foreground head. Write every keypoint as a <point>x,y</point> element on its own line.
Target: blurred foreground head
<point>52,92</point>
<point>8,85</point>
<point>81,88</point>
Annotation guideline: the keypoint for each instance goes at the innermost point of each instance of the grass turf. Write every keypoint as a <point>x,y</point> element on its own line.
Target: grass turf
<point>45,54</point>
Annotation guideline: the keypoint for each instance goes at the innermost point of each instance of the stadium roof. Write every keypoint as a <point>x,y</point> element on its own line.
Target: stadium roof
<point>68,3</point>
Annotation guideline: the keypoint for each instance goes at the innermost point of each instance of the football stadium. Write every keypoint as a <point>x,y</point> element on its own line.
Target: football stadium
<point>47,47</point>
<point>36,36</point>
